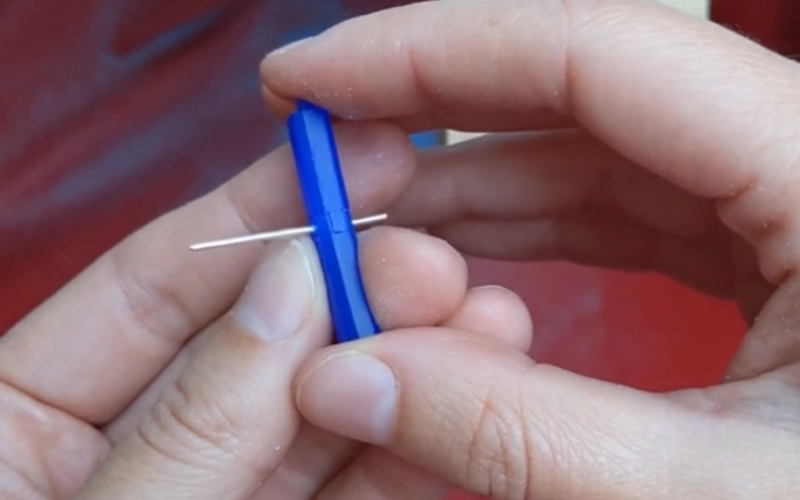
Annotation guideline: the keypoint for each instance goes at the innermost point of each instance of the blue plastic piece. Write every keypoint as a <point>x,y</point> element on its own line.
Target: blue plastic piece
<point>328,211</point>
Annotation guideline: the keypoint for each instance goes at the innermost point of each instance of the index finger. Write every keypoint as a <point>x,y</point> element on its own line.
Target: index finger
<point>691,101</point>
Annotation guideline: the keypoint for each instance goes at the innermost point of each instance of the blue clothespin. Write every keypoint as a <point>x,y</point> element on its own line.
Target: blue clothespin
<point>331,226</point>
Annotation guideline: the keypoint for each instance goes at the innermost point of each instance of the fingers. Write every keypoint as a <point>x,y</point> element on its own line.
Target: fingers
<point>534,175</point>
<point>628,71</point>
<point>315,458</point>
<point>376,474</point>
<point>244,434</point>
<point>228,418</point>
<point>411,279</point>
<point>379,475</point>
<point>124,318</point>
<point>564,196</point>
<point>489,420</point>
<point>438,60</point>
<point>318,456</point>
<point>497,313</point>
<point>601,240</point>
<point>704,108</point>
<point>44,453</point>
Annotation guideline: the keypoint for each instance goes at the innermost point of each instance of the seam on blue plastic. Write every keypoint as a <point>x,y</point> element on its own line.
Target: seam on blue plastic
<point>328,211</point>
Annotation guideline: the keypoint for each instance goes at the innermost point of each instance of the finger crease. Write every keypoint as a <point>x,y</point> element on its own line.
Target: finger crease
<point>153,305</point>
<point>246,221</point>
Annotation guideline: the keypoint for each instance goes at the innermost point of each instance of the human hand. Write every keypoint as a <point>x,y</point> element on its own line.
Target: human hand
<point>147,377</point>
<point>637,138</point>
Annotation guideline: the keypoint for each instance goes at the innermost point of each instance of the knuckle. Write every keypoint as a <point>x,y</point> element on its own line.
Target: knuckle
<point>36,440</point>
<point>190,427</point>
<point>251,221</point>
<point>519,448</point>
<point>497,459</point>
<point>16,484</point>
<point>152,303</point>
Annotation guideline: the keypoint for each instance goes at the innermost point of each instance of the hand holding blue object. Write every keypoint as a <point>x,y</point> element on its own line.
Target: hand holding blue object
<point>330,223</point>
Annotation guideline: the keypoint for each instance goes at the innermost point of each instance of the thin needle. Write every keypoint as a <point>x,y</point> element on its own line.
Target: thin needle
<point>279,234</point>
<point>269,235</point>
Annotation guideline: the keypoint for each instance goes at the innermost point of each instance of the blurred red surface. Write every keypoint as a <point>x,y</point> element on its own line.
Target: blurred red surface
<point>112,113</point>
<point>772,23</point>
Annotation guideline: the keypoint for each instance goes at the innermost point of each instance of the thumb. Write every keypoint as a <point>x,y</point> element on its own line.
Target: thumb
<point>495,423</point>
<point>228,419</point>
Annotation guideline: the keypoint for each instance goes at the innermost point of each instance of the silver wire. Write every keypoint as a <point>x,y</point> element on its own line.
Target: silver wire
<point>279,234</point>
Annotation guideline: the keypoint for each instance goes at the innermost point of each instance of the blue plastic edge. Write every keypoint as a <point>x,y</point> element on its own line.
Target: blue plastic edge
<point>328,211</point>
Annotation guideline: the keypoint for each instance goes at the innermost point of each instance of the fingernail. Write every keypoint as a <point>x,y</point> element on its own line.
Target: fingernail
<point>289,46</point>
<point>351,394</point>
<point>281,293</point>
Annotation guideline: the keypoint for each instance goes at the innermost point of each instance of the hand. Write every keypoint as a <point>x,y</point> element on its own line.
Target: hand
<point>636,138</point>
<point>147,377</point>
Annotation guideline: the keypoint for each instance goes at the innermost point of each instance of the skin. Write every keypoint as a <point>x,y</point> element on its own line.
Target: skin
<point>634,138</point>
<point>630,136</point>
<point>159,373</point>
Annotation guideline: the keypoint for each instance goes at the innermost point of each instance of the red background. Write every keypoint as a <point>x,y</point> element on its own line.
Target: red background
<point>113,112</point>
